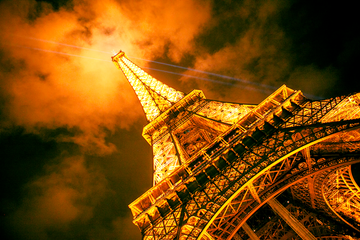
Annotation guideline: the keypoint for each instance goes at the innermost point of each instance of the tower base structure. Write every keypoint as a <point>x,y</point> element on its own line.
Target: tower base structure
<point>286,143</point>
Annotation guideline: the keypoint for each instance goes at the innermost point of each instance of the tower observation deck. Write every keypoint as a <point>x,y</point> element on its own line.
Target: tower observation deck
<point>277,170</point>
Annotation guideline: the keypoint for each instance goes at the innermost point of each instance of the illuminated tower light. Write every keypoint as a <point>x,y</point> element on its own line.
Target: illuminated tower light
<point>217,165</point>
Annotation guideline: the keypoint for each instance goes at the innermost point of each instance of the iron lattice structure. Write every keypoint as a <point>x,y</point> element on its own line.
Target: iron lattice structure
<point>220,167</point>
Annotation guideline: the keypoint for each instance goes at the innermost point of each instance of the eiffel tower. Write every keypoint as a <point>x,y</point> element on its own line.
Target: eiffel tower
<point>281,169</point>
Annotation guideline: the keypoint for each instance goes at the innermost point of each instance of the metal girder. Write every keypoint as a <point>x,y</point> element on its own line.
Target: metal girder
<point>321,227</point>
<point>334,186</point>
<point>342,195</point>
<point>294,223</point>
<point>216,163</point>
<point>270,182</point>
<point>250,232</point>
<point>285,179</point>
<point>310,180</point>
<point>204,205</point>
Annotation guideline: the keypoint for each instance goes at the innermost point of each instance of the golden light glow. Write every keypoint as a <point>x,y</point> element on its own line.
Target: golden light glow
<point>155,97</point>
<point>194,140</point>
<point>181,126</point>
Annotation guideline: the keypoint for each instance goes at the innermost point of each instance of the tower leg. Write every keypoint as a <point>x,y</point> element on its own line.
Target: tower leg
<point>250,232</point>
<point>298,227</point>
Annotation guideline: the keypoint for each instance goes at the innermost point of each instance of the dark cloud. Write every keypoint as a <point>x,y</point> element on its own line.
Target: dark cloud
<point>15,146</point>
<point>56,4</point>
<point>325,36</point>
<point>67,192</point>
<point>271,43</point>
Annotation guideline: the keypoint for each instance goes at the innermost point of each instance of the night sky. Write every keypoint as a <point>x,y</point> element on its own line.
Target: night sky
<point>72,156</point>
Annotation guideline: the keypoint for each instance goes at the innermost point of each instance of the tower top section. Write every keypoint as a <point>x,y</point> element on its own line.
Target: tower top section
<point>155,97</point>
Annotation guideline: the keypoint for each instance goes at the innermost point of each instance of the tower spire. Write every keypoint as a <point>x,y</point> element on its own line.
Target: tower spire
<point>155,97</point>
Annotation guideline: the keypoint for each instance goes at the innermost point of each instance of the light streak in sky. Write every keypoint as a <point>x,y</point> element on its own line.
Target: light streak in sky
<point>210,73</point>
<point>59,43</point>
<point>157,62</point>
<point>212,80</point>
<point>154,69</point>
<point>260,87</point>
<point>61,53</point>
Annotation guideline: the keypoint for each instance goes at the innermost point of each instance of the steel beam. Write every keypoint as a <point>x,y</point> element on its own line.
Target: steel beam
<point>298,227</point>
<point>250,232</point>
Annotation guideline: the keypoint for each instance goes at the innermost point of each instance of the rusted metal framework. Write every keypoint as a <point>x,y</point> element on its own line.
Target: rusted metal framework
<point>217,165</point>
